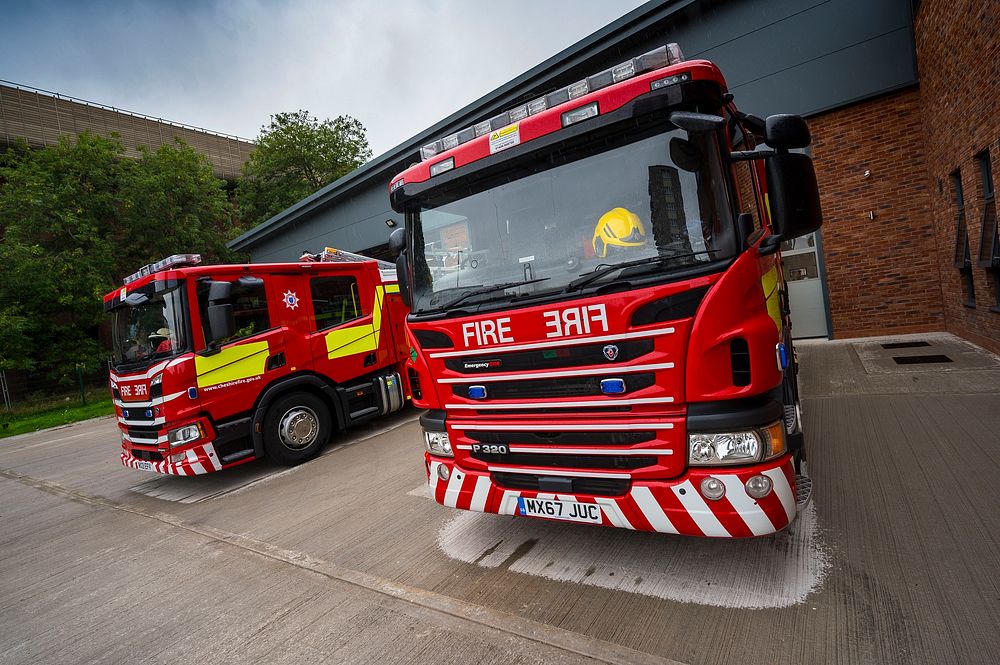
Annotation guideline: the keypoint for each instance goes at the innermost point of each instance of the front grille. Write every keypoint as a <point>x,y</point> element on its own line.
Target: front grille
<point>560,410</point>
<point>138,413</point>
<point>148,455</point>
<point>147,434</point>
<point>566,387</point>
<point>597,486</point>
<point>414,378</point>
<point>563,438</point>
<point>568,356</point>
<point>630,462</point>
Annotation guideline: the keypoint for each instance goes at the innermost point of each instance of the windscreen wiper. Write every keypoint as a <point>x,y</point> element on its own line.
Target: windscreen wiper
<point>488,289</point>
<point>605,269</point>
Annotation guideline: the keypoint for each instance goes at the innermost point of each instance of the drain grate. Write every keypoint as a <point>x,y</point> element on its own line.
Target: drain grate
<point>905,345</point>
<point>919,360</point>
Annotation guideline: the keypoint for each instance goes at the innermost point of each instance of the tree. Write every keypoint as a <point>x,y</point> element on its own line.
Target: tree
<point>296,155</point>
<point>75,218</point>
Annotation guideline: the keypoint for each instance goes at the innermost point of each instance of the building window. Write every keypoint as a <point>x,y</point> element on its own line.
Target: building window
<point>989,242</point>
<point>963,257</point>
<point>335,301</point>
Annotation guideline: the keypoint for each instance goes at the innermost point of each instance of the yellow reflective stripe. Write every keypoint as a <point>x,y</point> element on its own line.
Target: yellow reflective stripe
<point>392,288</point>
<point>377,313</point>
<point>236,362</point>
<point>769,281</point>
<point>357,339</point>
<point>350,340</point>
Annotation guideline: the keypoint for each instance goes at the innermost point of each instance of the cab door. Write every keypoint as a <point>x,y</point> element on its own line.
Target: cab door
<point>232,375</point>
<point>346,324</point>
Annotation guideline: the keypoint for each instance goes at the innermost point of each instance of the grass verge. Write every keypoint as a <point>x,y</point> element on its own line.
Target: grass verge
<point>44,416</point>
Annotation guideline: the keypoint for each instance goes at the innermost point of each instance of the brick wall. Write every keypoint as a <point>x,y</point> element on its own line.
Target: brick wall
<point>958,59</point>
<point>882,274</point>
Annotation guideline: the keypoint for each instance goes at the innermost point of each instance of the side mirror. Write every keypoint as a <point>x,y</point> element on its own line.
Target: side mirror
<point>136,299</point>
<point>696,123</point>
<point>786,132</point>
<point>221,322</point>
<point>793,195</point>
<point>397,242</point>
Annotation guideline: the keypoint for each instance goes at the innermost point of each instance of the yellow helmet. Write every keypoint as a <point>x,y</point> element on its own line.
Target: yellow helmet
<point>618,228</point>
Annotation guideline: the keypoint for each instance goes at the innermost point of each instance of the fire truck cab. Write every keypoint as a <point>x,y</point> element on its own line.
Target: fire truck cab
<point>215,366</point>
<point>599,319</point>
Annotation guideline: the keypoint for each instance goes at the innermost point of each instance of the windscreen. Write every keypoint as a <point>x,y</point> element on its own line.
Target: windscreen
<point>150,329</point>
<point>548,224</point>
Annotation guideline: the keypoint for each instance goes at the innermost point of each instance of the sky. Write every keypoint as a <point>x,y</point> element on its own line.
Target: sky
<point>398,66</point>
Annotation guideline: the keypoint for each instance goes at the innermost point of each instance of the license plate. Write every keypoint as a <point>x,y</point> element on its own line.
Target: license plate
<point>143,465</point>
<point>573,511</point>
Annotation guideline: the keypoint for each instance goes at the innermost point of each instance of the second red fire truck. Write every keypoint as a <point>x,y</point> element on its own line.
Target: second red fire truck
<point>599,322</point>
<point>215,366</point>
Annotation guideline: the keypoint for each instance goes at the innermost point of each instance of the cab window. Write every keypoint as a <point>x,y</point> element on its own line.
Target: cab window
<point>250,310</point>
<point>335,301</point>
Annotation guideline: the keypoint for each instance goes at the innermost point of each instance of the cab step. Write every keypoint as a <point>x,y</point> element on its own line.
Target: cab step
<point>803,491</point>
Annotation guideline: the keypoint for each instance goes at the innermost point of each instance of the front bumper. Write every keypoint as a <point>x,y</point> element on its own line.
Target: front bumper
<point>196,461</point>
<point>674,506</point>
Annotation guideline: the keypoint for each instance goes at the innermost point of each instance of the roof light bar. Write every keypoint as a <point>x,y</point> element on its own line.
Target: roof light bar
<point>658,58</point>
<point>173,261</point>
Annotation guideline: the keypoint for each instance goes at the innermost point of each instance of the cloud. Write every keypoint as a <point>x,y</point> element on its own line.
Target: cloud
<point>399,67</point>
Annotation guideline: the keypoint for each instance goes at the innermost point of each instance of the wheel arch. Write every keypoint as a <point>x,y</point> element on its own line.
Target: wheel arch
<point>310,383</point>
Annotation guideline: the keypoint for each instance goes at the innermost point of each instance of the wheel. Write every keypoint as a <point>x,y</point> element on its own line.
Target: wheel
<point>296,426</point>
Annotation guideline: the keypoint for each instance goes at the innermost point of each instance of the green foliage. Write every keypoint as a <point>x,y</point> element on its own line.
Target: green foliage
<point>296,155</point>
<point>75,218</point>
<point>55,412</point>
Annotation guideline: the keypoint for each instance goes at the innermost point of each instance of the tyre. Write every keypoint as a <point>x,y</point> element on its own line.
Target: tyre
<point>296,426</point>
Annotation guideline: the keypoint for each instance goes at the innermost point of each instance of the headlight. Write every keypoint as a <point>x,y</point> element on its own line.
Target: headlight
<point>742,447</point>
<point>437,443</point>
<point>186,434</point>
<point>157,380</point>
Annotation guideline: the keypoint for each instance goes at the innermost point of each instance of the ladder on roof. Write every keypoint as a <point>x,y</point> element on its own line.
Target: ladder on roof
<point>332,255</point>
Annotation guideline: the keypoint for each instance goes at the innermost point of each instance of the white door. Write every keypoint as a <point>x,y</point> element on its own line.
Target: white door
<point>805,287</point>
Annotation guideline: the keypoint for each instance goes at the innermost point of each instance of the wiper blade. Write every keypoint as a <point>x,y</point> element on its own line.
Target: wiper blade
<point>605,269</point>
<point>488,289</point>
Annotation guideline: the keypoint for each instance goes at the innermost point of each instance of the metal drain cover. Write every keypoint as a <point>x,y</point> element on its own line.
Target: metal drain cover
<point>920,360</point>
<point>905,345</point>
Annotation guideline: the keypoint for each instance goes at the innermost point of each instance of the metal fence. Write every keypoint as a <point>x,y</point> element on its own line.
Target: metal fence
<point>25,391</point>
<point>40,117</point>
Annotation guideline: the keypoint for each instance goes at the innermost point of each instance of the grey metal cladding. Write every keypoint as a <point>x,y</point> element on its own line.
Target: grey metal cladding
<point>354,223</point>
<point>791,56</point>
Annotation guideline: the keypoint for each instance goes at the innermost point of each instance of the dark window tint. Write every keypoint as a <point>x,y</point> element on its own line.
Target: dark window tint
<point>956,186</point>
<point>249,308</point>
<point>335,300</point>
<point>985,173</point>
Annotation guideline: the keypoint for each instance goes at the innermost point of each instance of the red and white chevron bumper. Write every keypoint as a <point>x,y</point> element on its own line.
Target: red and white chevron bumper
<point>192,462</point>
<point>675,506</point>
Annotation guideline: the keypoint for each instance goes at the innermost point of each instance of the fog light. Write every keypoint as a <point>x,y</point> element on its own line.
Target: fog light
<point>444,473</point>
<point>759,486</point>
<point>713,489</point>
<point>178,458</point>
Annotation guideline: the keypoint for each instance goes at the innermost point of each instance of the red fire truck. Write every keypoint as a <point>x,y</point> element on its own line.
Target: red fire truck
<point>215,366</point>
<point>599,320</point>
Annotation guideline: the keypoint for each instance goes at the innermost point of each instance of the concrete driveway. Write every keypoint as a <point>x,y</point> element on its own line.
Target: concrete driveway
<point>346,559</point>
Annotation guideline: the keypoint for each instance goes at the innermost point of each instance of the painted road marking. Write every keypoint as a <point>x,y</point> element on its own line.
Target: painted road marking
<point>775,571</point>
